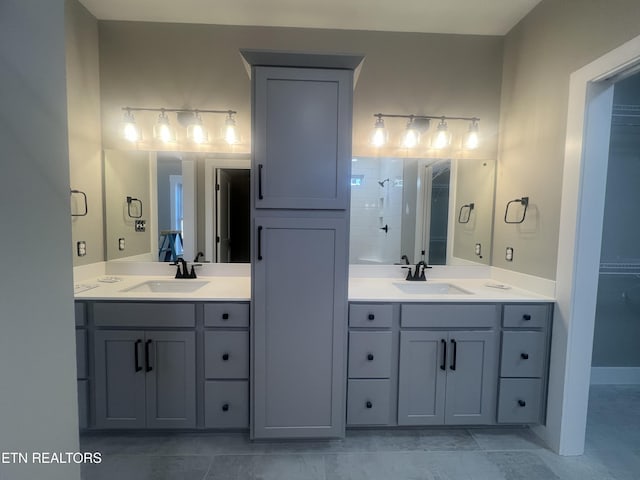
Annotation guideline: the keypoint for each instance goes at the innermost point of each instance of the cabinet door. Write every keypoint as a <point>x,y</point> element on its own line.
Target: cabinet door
<point>171,379</point>
<point>119,379</point>
<point>302,138</point>
<point>472,374</point>
<point>300,313</point>
<point>421,385</point>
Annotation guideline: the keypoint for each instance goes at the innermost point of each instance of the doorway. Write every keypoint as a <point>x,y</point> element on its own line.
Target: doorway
<point>581,221</point>
<point>616,357</point>
<point>232,215</point>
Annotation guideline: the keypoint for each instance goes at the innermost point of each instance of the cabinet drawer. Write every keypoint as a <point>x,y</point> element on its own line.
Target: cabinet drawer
<point>369,354</point>
<point>226,404</point>
<point>519,400</point>
<point>81,354</point>
<point>81,314</point>
<point>370,315</point>
<point>525,316</point>
<point>368,402</point>
<point>226,315</point>
<point>444,316</point>
<point>522,354</point>
<point>144,314</point>
<point>226,354</point>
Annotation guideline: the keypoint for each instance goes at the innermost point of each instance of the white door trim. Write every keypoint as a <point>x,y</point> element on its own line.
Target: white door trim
<point>579,253</point>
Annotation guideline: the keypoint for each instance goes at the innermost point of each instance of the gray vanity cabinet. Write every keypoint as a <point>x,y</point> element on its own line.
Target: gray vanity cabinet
<point>422,380</point>
<point>302,137</point>
<point>145,379</point>
<point>120,398</point>
<point>524,363</point>
<point>300,311</point>
<point>300,178</point>
<point>447,378</point>
<point>472,378</point>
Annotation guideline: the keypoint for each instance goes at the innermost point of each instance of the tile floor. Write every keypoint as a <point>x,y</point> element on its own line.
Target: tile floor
<point>612,452</point>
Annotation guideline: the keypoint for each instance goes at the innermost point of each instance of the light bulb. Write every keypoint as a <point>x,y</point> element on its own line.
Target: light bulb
<point>379,135</point>
<point>230,134</point>
<point>471,139</point>
<point>130,129</point>
<point>196,132</point>
<point>442,137</point>
<point>162,130</point>
<point>411,136</point>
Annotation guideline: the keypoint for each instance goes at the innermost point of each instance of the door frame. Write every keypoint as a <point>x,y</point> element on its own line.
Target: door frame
<point>581,218</point>
<point>423,207</point>
<point>211,163</point>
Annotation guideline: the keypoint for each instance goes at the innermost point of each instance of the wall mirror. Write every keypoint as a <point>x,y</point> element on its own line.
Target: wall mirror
<point>437,209</point>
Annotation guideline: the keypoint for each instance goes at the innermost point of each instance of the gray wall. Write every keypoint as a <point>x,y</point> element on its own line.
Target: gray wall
<point>554,40</point>
<point>617,328</point>
<point>126,174</point>
<point>179,65</point>
<point>85,135</point>
<point>38,403</point>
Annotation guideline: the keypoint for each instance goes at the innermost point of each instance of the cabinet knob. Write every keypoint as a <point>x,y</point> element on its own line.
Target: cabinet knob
<point>370,357</point>
<point>524,356</point>
<point>369,405</point>
<point>225,316</point>
<point>522,403</point>
<point>225,407</point>
<point>371,316</point>
<point>225,356</point>
<point>526,316</point>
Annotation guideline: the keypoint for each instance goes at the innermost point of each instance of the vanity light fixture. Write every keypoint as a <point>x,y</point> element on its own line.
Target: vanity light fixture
<point>379,134</point>
<point>471,139</point>
<point>418,124</point>
<point>442,138</point>
<point>411,136</point>
<point>164,132</point>
<point>230,133</point>
<point>195,131</point>
<point>130,129</point>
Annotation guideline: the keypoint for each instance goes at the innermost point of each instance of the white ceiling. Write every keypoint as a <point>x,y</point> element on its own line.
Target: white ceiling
<point>479,17</point>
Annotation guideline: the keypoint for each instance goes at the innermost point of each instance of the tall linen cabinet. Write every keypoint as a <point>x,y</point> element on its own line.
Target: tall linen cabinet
<point>300,174</point>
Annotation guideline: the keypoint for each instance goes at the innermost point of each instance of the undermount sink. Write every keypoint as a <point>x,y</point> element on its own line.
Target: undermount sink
<point>428,288</point>
<point>167,286</point>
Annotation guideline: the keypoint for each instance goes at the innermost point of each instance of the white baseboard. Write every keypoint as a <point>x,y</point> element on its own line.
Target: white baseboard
<point>615,375</point>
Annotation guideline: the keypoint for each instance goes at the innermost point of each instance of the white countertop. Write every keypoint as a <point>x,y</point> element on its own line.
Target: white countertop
<point>361,289</point>
<point>218,288</point>
<point>386,290</point>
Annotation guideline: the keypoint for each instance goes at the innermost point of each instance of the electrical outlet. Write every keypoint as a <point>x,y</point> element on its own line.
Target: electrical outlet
<point>121,244</point>
<point>478,250</point>
<point>81,248</point>
<point>141,225</point>
<point>508,256</point>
